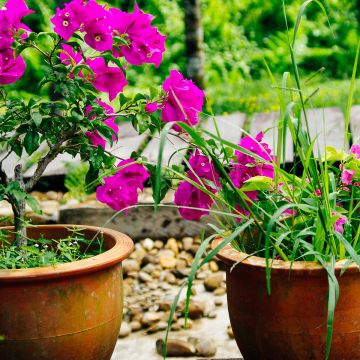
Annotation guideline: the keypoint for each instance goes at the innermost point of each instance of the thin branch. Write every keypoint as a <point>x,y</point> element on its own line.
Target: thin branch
<point>46,160</point>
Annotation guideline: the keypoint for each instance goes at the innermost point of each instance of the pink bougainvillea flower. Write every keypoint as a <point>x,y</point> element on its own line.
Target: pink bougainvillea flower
<point>187,195</point>
<point>99,35</point>
<point>339,223</point>
<point>132,173</point>
<point>347,176</point>
<point>259,148</point>
<point>10,21</point>
<point>151,107</point>
<point>116,193</point>
<point>317,192</point>
<point>355,149</point>
<point>184,100</point>
<point>94,136</point>
<point>107,78</point>
<point>11,68</point>
<point>203,167</point>
<point>97,26</point>
<point>66,21</point>
<point>121,190</point>
<point>69,55</point>
<point>145,43</point>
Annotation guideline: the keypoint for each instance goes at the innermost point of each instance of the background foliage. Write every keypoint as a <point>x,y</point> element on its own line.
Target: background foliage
<point>239,35</point>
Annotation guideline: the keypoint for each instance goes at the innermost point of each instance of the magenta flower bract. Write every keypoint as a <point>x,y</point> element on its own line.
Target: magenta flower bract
<point>347,176</point>
<point>116,194</point>
<point>355,149</point>
<point>134,175</point>
<point>11,68</point>
<point>339,223</point>
<point>109,79</point>
<point>187,195</point>
<point>66,21</point>
<point>146,44</point>
<point>97,26</point>
<point>120,190</point>
<point>184,100</point>
<point>151,107</point>
<point>70,55</point>
<point>94,136</point>
<point>203,167</point>
<point>10,21</point>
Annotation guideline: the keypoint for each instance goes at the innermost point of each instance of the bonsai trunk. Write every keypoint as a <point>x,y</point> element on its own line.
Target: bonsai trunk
<point>18,206</point>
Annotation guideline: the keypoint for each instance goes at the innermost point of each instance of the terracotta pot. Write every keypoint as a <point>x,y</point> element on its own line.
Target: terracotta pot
<point>290,323</point>
<point>70,311</point>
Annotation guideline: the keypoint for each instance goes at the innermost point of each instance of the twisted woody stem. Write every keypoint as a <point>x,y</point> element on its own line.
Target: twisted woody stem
<point>18,203</point>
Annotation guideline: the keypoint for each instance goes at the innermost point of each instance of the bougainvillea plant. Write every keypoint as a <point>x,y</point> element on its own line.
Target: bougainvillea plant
<point>86,58</point>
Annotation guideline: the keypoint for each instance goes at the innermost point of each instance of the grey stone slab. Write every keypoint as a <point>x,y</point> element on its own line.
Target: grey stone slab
<point>355,124</point>
<point>230,126</point>
<point>129,141</point>
<point>141,222</point>
<point>328,125</point>
<point>173,152</point>
<point>268,124</point>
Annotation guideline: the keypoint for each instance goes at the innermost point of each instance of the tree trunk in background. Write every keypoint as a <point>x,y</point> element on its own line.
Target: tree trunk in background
<point>194,40</point>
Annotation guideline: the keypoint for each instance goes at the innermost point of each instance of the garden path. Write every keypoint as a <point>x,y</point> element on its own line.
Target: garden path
<point>326,123</point>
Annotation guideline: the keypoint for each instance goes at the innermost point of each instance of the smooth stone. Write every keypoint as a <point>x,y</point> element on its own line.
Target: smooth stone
<point>158,244</point>
<point>149,268</point>
<point>220,291</point>
<point>213,281</point>
<point>206,347</point>
<point>135,325</point>
<point>214,267</point>
<point>130,265</point>
<point>189,323</point>
<point>176,347</point>
<point>230,332</point>
<point>196,310</point>
<point>125,330</point>
<point>167,262</point>
<point>170,278</point>
<point>187,243</point>
<point>218,302</point>
<point>172,245</point>
<point>147,244</point>
<point>144,277</point>
<point>150,318</point>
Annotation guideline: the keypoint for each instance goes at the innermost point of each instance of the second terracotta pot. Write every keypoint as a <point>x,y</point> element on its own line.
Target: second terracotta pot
<point>71,311</point>
<point>291,323</point>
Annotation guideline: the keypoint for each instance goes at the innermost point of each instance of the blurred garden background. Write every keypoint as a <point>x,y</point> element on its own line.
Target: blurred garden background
<point>239,37</point>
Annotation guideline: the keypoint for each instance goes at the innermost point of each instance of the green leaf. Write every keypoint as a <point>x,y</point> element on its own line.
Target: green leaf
<point>33,203</point>
<point>334,155</point>
<point>261,183</point>
<point>31,142</point>
<point>36,117</point>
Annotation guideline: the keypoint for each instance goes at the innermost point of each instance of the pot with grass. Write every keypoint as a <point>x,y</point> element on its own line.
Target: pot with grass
<point>61,285</point>
<point>289,238</point>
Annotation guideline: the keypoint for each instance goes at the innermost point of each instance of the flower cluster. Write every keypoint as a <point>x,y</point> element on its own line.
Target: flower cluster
<point>11,29</point>
<point>128,35</point>
<point>121,190</point>
<point>191,199</point>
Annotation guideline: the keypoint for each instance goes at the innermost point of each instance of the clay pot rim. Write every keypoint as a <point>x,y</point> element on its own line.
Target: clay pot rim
<point>231,256</point>
<point>121,249</point>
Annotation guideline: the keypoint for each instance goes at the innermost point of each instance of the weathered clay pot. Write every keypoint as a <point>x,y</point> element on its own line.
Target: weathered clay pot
<point>69,312</point>
<point>290,323</point>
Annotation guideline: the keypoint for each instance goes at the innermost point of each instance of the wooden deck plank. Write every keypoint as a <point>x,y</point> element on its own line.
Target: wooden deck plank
<point>329,125</point>
<point>355,124</point>
<point>230,126</point>
<point>267,123</point>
